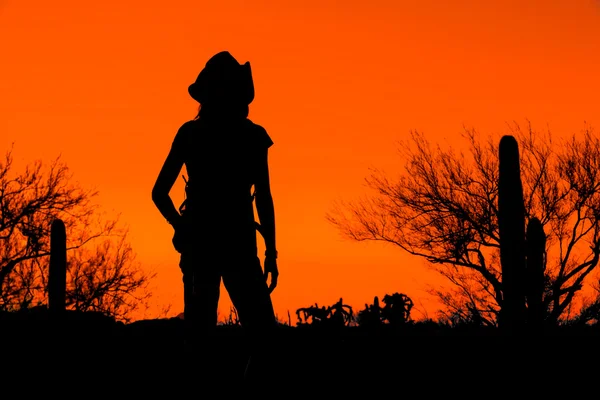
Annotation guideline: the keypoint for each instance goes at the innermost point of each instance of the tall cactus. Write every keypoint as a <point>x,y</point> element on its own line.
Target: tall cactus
<point>57,275</point>
<point>536,249</point>
<point>511,225</point>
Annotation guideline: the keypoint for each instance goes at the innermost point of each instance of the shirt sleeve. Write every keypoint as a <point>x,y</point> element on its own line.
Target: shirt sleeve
<point>263,139</point>
<point>180,140</point>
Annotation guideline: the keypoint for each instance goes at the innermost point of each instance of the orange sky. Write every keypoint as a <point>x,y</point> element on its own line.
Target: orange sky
<point>104,84</point>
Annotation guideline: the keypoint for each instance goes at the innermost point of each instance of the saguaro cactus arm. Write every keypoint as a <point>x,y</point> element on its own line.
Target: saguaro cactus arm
<point>536,251</point>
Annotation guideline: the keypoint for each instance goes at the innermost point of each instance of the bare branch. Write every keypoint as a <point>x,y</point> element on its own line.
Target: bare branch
<point>105,278</point>
<point>443,207</point>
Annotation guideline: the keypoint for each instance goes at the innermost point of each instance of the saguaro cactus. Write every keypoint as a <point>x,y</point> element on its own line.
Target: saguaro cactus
<point>536,250</point>
<point>511,225</point>
<point>57,275</point>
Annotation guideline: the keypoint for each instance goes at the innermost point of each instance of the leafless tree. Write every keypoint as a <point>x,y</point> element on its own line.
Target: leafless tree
<point>102,272</point>
<point>443,207</point>
<point>108,279</point>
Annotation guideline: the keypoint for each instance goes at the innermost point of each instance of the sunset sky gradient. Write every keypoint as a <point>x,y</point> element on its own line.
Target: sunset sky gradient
<point>104,85</point>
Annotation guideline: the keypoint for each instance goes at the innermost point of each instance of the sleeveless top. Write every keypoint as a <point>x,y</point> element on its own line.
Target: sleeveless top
<point>222,160</point>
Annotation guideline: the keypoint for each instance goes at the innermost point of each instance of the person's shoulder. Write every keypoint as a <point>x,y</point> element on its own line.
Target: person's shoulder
<point>188,126</point>
<point>260,133</point>
<point>256,127</point>
<point>184,131</point>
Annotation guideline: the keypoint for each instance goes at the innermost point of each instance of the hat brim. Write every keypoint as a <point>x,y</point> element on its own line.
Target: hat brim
<point>200,89</point>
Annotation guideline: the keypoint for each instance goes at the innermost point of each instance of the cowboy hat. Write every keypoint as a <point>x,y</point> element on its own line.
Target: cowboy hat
<point>223,72</point>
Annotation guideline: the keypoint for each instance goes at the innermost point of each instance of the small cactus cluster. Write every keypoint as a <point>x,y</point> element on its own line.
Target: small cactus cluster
<point>335,316</point>
<point>522,247</point>
<point>396,311</point>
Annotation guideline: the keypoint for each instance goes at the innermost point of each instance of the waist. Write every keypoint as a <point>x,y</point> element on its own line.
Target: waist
<point>219,196</point>
<point>219,213</point>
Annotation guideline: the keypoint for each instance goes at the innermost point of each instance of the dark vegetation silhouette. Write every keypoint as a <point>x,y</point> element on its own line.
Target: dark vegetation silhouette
<point>335,316</point>
<point>395,313</point>
<point>513,228</point>
<point>101,275</point>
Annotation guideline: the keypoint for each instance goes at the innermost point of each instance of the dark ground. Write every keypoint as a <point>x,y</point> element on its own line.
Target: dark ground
<point>148,358</point>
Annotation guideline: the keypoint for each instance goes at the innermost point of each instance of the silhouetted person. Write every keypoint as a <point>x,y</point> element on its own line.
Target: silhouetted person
<point>225,155</point>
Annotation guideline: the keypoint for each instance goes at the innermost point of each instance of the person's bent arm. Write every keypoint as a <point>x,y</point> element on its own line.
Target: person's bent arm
<point>162,187</point>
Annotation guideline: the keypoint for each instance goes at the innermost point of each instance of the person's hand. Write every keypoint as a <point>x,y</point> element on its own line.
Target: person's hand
<point>271,268</point>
